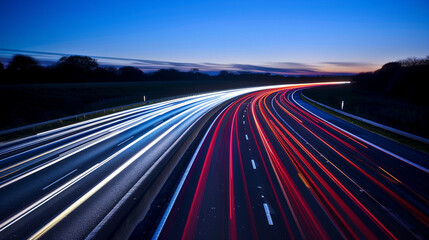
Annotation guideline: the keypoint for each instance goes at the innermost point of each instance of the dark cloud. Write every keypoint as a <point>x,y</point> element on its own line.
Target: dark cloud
<point>255,68</point>
<point>284,68</point>
<point>293,65</point>
<point>349,64</point>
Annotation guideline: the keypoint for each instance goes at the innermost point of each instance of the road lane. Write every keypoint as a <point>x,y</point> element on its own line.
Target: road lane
<point>270,168</point>
<point>47,179</point>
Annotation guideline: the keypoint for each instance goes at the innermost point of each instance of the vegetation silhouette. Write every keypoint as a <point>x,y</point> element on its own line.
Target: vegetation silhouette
<point>28,97</point>
<point>33,93</point>
<point>131,74</point>
<point>22,63</point>
<point>80,69</point>
<point>402,79</point>
<point>79,63</point>
<point>21,69</point>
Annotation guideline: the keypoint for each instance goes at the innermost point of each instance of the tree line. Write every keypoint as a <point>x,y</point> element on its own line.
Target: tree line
<point>71,69</point>
<point>406,78</point>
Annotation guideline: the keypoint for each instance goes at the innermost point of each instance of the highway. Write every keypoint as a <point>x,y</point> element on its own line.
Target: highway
<point>272,166</point>
<point>65,183</point>
<point>268,166</point>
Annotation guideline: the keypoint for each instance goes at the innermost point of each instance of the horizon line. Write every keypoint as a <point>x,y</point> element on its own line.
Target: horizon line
<point>210,68</point>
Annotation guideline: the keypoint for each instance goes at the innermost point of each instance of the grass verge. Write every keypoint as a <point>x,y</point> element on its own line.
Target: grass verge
<point>38,128</point>
<point>388,134</point>
<point>29,104</point>
<point>395,112</point>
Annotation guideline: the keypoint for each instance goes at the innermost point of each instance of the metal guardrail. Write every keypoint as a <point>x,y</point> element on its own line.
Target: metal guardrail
<point>379,125</point>
<point>35,125</point>
<point>118,108</point>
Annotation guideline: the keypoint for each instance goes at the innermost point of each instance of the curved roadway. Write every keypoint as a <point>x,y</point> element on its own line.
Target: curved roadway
<point>274,167</point>
<point>270,166</point>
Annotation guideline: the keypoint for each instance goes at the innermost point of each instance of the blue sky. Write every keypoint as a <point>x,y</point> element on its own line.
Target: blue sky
<point>328,36</point>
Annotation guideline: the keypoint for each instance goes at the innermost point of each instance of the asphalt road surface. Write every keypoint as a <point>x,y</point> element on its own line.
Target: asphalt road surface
<point>64,183</point>
<point>272,166</point>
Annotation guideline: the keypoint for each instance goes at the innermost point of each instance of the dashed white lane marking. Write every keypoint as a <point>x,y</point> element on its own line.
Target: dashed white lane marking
<point>267,212</point>
<point>126,140</point>
<point>59,179</point>
<point>244,122</point>
<point>247,138</point>
<point>253,164</point>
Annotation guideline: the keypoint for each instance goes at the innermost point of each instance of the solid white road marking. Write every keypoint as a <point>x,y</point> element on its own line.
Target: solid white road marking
<point>126,140</point>
<point>182,181</point>
<point>121,168</point>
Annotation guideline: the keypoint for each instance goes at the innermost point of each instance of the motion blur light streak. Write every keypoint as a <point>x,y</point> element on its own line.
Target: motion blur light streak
<point>76,166</point>
<point>269,167</point>
<point>331,183</point>
<point>64,214</point>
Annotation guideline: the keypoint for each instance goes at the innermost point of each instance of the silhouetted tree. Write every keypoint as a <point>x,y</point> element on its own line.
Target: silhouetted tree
<point>405,79</point>
<point>23,69</point>
<point>82,63</point>
<point>76,69</point>
<point>194,74</point>
<point>112,70</point>
<point>105,74</point>
<point>224,73</point>
<point>129,73</point>
<point>22,63</point>
<point>390,66</point>
<point>413,61</point>
<point>167,75</point>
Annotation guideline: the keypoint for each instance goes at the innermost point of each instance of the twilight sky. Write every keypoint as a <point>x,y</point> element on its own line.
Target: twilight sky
<point>265,35</point>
